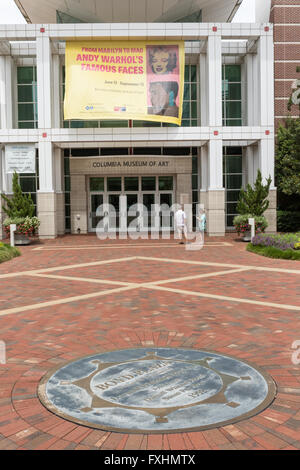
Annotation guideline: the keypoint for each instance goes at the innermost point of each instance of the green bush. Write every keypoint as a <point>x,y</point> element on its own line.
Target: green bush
<point>8,252</point>
<point>288,221</point>
<point>272,252</point>
<point>20,205</point>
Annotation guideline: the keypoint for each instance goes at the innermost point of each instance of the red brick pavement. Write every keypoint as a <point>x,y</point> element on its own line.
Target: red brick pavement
<point>42,337</point>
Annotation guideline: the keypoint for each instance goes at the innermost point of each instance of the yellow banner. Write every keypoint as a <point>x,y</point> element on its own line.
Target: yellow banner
<point>140,80</point>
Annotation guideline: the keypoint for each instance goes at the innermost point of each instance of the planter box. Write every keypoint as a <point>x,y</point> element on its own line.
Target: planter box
<point>21,239</point>
<point>247,237</point>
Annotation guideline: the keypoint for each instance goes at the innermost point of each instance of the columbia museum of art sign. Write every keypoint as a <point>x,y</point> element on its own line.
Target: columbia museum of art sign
<point>123,165</point>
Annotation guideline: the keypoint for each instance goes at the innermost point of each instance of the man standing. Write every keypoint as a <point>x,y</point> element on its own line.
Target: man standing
<point>180,222</point>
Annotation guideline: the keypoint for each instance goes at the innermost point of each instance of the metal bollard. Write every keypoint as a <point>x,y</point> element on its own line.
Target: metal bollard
<point>13,228</point>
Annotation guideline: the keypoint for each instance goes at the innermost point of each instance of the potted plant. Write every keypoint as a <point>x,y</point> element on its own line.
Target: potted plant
<point>252,203</point>
<point>20,211</point>
<point>241,224</point>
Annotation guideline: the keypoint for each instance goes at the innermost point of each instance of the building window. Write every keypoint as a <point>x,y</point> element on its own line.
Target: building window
<point>190,110</point>
<point>232,95</point>
<point>232,180</point>
<point>27,98</point>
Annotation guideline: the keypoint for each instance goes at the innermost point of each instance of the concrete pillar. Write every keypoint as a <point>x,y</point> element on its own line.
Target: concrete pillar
<point>252,96</point>
<point>266,80</point>
<point>214,79</point>
<point>44,82</point>
<point>6,92</point>
<point>203,90</point>
<point>184,196</point>
<point>2,214</point>
<point>265,154</point>
<point>215,198</point>
<point>79,203</point>
<point>203,175</point>
<point>56,90</point>
<point>46,196</point>
<point>60,197</point>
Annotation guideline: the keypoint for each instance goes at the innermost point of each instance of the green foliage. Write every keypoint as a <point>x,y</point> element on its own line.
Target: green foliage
<point>287,221</point>
<point>287,164</point>
<point>254,200</point>
<point>241,223</point>
<point>20,205</point>
<point>272,252</point>
<point>7,252</point>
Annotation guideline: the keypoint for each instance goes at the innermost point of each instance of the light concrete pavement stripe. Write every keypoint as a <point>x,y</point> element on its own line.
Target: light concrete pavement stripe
<point>221,297</point>
<point>83,279</point>
<point>206,263</point>
<point>197,276</point>
<point>107,247</point>
<point>76,298</point>
<point>70,266</point>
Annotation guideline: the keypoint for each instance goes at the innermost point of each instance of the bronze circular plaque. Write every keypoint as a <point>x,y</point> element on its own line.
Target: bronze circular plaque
<point>156,390</point>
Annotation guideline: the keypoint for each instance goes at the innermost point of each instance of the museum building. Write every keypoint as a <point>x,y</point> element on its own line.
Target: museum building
<point>226,132</point>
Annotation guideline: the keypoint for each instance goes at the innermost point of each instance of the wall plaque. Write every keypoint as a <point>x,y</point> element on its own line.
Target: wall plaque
<point>19,158</point>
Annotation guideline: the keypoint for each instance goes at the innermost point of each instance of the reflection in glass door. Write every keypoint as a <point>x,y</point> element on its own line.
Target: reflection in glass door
<point>148,216</point>
<point>96,200</point>
<point>166,217</point>
<point>132,212</point>
<point>113,212</point>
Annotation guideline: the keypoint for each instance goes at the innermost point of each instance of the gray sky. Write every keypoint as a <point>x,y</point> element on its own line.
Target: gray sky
<point>10,14</point>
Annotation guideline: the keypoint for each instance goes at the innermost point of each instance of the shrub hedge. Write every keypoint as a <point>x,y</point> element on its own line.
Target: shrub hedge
<point>273,252</point>
<point>288,221</point>
<point>8,252</point>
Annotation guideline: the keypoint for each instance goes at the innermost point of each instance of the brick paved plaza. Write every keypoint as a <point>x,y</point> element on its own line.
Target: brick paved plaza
<point>79,296</point>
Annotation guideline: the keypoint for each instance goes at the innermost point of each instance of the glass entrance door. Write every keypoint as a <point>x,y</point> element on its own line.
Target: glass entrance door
<point>113,212</point>
<point>96,200</point>
<point>140,200</point>
<point>148,215</point>
<point>132,212</point>
<point>166,216</point>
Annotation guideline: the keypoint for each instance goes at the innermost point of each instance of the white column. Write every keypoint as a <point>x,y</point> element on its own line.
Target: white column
<point>252,96</point>
<point>215,164</point>
<point>60,198</point>
<point>44,82</point>
<point>216,193</point>
<point>55,88</point>
<point>5,185</point>
<point>214,79</point>
<point>203,90</point>
<point>46,196</point>
<point>204,168</point>
<point>6,92</point>
<point>46,167</point>
<point>266,150</point>
<point>250,175</point>
<point>266,80</point>
<point>264,160</point>
<point>1,191</point>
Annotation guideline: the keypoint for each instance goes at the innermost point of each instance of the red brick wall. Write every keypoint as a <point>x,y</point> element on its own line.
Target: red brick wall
<point>285,14</point>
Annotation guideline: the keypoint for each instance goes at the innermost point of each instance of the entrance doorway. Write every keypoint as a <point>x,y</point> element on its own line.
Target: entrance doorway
<point>133,203</point>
